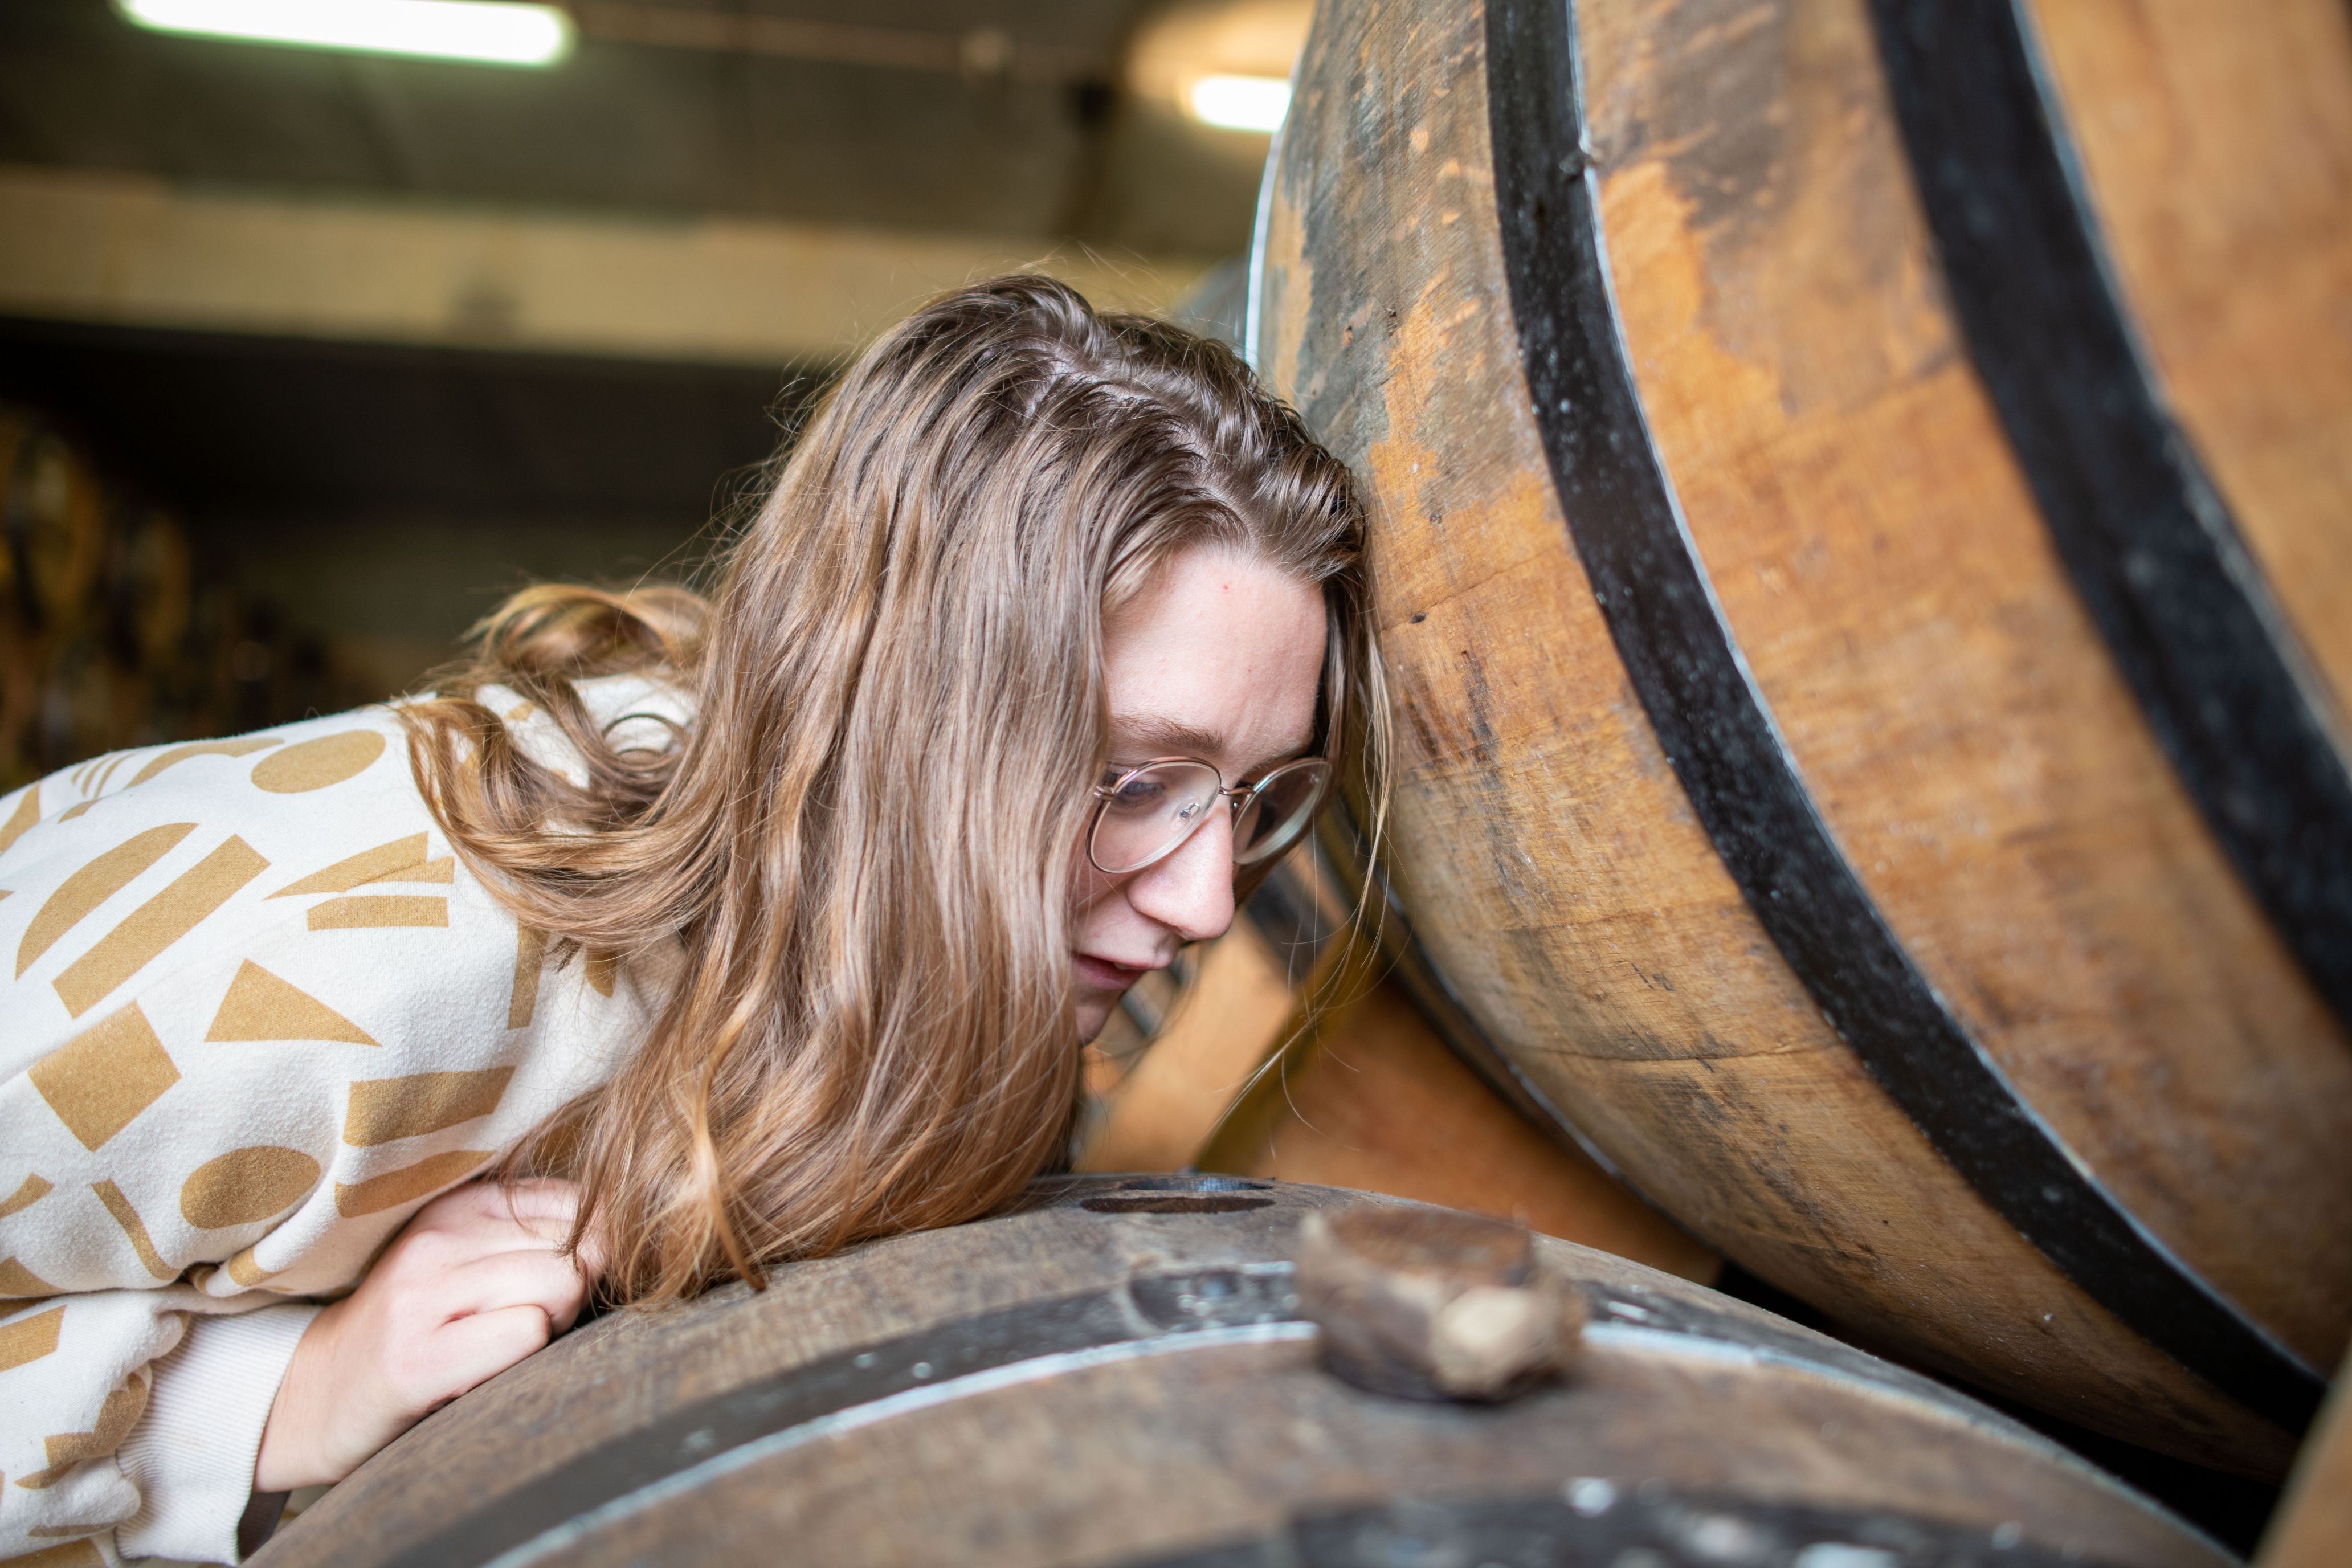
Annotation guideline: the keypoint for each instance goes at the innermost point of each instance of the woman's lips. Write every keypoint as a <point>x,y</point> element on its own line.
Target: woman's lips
<point>1104,975</point>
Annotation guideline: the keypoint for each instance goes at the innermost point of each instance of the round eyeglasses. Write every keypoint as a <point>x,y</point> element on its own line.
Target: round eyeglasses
<point>1145,813</point>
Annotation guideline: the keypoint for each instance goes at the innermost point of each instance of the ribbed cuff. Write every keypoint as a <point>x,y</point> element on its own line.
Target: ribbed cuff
<point>191,1456</point>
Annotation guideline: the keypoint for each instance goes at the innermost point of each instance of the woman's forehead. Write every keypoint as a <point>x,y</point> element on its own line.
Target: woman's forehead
<point>1220,656</point>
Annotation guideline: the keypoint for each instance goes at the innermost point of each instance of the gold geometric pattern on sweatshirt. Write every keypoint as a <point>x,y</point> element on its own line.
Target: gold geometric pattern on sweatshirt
<point>178,754</point>
<point>444,870</point>
<point>360,911</point>
<point>602,967</point>
<point>386,1109</point>
<point>246,1271</point>
<point>156,924</point>
<point>315,764</point>
<point>92,885</point>
<point>18,1282</point>
<point>27,813</point>
<point>106,1075</point>
<point>134,1228</point>
<point>98,784</point>
<point>30,1339</point>
<point>530,957</point>
<point>394,1188</point>
<point>69,813</point>
<point>260,1006</point>
<point>30,1191</point>
<point>367,865</point>
<point>79,1553</point>
<point>116,1416</point>
<point>244,1187</point>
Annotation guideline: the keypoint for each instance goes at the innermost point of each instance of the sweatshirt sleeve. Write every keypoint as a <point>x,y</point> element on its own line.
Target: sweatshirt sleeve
<point>191,1456</point>
<point>118,1414</point>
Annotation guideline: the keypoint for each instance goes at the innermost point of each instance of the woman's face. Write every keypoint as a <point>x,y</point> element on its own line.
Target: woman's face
<point>1220,656</point>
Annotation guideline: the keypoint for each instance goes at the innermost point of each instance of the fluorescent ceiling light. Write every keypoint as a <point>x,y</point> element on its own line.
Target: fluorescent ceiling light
<point>1240,102</point>
<point>489,32</point>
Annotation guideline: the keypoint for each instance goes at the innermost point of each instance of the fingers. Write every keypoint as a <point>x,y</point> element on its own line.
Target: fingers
<point>473,1350</point>
<point>542,1198</point>
<point>542,1205</point>
<point>547,1280</point>
<point>482,1218</point>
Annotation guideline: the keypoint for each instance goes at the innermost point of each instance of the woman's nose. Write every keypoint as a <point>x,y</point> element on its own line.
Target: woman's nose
<point>1191,891</point>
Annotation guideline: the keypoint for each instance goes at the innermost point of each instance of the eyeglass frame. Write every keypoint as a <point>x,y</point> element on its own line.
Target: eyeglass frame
<point>1236,796</point>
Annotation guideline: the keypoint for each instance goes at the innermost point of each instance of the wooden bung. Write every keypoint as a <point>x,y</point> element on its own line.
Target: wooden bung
<point>1428,1304</point>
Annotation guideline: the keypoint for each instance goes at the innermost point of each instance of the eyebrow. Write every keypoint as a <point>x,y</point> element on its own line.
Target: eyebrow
<point>1168,738</point>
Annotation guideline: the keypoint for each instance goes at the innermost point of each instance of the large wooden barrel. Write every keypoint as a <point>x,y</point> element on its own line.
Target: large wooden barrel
<point>1861,493</point>
<point>1117,1374</point>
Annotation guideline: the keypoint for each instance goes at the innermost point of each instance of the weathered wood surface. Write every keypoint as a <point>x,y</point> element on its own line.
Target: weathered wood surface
<point>2015,855</point>
<point>1117,1375</point>
<point>1370,1097</point>
<point>1269,1066</point>
<point>2218,155</point>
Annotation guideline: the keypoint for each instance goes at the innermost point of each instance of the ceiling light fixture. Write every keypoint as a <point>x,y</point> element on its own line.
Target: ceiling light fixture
<point>1240,102</point>
<point>1221,63</point>
<point>487,32</point>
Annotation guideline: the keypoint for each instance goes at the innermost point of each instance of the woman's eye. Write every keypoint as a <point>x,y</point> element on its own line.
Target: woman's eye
<point>1138,794</point>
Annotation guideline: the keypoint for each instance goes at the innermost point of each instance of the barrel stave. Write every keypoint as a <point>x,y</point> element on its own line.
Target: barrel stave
<point>1953,711</point>
<point>2219,159</point>
<point>1368,1096</point>
<point>1177,1452</point>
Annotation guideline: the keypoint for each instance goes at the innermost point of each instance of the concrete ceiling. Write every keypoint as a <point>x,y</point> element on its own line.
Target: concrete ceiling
<point>1040,144</point>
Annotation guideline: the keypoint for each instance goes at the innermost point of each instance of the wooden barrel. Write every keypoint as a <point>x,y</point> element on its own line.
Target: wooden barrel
<point>1859,492</point>
<point>1117,1374</point>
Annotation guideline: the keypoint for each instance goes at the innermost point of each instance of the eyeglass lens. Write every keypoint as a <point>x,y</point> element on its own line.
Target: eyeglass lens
<point>1280,810</point>
<point>1155,809</point>
<point>1151,812</point>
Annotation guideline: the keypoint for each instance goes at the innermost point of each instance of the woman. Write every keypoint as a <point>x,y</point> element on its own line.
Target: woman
<point>726,933</point>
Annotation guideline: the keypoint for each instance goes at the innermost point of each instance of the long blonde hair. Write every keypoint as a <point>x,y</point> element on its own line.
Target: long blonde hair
<point>863,839</point>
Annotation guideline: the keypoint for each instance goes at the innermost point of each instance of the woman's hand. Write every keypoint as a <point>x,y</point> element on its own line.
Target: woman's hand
<point>471,1285</point>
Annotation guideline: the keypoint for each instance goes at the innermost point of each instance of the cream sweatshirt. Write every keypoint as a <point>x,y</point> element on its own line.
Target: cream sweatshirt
<point>253,1016</point>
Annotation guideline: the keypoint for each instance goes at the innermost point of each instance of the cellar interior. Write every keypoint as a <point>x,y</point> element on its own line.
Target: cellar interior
<point>1804,1019</point>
